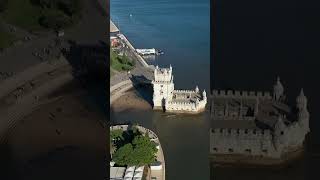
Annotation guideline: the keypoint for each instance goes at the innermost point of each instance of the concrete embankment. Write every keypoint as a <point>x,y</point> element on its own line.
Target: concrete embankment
<point>119,89</point>
<point>140,59</point>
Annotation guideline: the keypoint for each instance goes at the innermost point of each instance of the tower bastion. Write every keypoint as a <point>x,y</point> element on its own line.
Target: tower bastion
<point>257,127</point>
<point>165,96</point>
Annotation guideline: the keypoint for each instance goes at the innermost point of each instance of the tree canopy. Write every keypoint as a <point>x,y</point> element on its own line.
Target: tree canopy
<point>141,151</point>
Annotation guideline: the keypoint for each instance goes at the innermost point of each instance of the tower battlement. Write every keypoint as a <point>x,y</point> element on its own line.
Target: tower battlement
<point>241,94</point>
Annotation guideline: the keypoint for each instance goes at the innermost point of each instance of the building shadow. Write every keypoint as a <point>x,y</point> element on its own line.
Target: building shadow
<point>143,88</point>
<point>90,66</point>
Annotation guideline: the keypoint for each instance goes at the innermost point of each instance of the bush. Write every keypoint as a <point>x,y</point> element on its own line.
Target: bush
<point>123,59</point>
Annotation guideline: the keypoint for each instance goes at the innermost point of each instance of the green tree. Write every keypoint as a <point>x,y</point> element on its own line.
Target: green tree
<point>116,135</point>
<point>144,150</point>
<point>140,152</point>
<point>123,154</point>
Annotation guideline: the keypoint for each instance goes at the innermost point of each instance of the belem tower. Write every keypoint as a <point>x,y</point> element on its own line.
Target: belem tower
<point>256,124</point>
<point>165,97</point>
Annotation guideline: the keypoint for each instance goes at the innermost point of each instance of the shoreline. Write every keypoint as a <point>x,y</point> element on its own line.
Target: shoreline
<point>131,100</point>
<point>255,161</point>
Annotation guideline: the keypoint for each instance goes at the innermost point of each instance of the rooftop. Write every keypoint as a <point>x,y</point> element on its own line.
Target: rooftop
<point>185,97</point>
<point>247,113</point>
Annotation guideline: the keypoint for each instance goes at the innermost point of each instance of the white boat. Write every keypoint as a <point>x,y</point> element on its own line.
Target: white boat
<point>144,52</point>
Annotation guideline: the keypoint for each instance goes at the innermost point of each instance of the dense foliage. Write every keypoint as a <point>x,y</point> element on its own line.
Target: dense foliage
<point>133,149</point>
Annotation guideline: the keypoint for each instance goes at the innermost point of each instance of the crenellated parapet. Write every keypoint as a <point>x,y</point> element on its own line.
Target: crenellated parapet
<point>184,91</point>
<point>241,94</point>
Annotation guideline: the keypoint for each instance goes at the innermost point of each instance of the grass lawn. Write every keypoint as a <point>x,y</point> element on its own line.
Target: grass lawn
<point>5,39</point>
<point>23,14</point>
<point>116,63</point>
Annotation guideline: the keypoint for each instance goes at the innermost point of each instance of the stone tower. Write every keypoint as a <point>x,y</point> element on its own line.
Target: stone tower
<point>163,86</point>
<point>278,90</point>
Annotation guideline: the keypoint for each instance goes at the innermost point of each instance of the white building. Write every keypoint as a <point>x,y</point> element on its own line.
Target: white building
<point>167,98</point>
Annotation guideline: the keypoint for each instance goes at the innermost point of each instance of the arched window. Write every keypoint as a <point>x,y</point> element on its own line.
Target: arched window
<point>248,150</point>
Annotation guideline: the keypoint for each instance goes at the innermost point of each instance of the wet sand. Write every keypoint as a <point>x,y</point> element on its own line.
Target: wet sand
<point>64,139</point>
<point>130,101</point>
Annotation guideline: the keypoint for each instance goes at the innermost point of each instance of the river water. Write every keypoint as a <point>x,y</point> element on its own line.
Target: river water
<point>181,29</point>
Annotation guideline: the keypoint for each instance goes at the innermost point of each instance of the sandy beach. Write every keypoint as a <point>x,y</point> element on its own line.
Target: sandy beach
<point>64,139</point>
<point>132,100</point>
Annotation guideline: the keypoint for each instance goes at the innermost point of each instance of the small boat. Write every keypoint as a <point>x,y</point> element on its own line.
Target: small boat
<point>144,52</point>
<point>160,52</point>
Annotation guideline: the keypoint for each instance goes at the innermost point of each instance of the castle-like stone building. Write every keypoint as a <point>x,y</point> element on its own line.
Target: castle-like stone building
<point>167,98</point>
<point>256,124</point>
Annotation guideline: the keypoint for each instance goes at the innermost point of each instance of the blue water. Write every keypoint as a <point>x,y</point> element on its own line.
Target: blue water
<point>181,28</point>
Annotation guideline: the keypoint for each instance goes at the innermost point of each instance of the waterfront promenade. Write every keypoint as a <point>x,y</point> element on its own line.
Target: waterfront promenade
<point>122,81</point>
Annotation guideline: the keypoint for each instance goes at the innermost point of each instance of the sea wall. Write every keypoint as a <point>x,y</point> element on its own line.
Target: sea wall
<point>192,107</point>
<point>258,142</point>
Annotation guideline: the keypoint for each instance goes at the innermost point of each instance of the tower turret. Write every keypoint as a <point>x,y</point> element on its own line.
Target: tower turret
<point>278,90</point>
<point>280,133</point>
<point>197,89</point>
<point>303,114</point>
<point>301,101</point>
<point>204,94</point>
